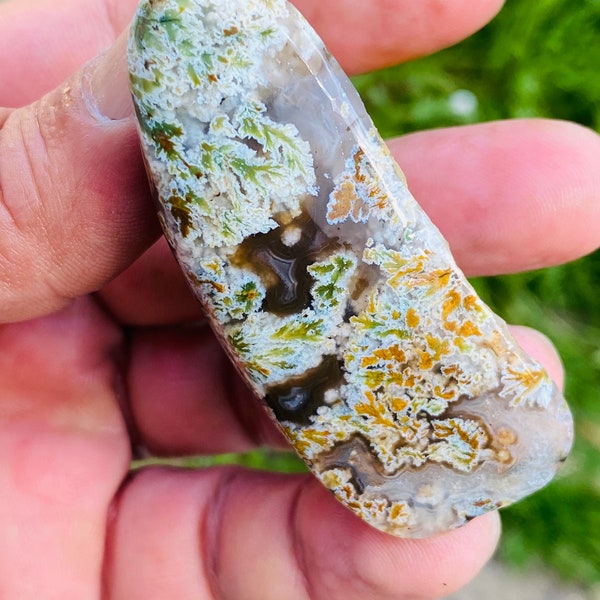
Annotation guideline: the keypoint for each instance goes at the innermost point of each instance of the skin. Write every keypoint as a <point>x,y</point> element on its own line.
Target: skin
<point>103,354</point>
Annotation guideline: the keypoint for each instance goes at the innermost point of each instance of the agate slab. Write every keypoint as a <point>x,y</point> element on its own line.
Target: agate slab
<point>328,286</point>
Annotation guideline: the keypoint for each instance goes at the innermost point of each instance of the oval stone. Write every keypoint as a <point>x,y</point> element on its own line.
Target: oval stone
<point>331,290</point>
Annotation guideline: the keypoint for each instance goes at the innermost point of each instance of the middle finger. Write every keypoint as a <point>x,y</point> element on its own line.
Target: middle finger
<point>491,189</point>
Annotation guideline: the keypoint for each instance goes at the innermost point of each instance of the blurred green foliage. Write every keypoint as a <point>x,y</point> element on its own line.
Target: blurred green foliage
<point>537,58</point>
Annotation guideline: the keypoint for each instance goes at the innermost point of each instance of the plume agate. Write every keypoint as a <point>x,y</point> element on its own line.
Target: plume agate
<point>328,286</point>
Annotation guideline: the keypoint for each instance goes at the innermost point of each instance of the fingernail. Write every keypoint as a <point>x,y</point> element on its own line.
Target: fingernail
<point>105,83</point>
<point>541,348</point>
<point>496,527</point>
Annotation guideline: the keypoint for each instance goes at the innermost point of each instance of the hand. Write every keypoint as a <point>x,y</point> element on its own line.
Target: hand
<point>87,375</point>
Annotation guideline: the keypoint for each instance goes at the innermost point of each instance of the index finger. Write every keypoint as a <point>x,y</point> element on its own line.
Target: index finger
<point>42,41</point>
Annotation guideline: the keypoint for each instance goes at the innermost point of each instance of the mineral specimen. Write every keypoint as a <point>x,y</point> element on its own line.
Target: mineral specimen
<point>329,287</point>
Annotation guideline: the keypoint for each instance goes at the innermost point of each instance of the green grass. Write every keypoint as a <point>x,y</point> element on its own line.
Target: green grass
<point>537,58</point>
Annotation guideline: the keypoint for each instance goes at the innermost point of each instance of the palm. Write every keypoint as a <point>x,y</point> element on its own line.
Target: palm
<point>87,379</point>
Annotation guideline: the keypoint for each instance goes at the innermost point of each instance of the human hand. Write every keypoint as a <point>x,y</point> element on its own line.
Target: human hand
<point>92,373</point>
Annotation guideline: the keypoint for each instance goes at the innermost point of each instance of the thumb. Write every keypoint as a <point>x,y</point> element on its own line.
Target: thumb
<point>74,202</point>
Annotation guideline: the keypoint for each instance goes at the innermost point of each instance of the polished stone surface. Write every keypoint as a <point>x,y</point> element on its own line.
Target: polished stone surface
<point>328,285</point>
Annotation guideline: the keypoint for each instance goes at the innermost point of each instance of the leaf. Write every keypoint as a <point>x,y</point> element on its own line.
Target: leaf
<point>181,212</point>
<point>239,344</point>
<point>163,134</point>
<point>305,331</point>
<point>248,296</point>
<point>330,277</point>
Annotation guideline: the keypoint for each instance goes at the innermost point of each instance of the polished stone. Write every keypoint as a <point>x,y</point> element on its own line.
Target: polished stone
<point>329,287</point>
